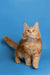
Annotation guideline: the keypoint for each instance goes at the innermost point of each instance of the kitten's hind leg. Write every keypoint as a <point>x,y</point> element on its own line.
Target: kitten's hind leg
<point>17,60</point>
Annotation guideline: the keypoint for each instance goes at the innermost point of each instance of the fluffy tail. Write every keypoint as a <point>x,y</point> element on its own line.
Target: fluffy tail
<point>10,42</point>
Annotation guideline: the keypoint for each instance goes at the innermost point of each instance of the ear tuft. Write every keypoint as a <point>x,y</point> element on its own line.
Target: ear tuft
<point>25,26</point>
<point>24,23</point>
<point>37,25</point>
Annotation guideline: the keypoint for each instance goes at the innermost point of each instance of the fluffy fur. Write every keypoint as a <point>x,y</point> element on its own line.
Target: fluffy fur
<point>29,47</point>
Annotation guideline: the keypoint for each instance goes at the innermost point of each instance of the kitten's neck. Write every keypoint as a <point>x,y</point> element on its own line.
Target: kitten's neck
<point>28,39</point>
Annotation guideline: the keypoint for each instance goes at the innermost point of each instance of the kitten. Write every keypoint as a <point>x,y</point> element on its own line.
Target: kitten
<point>29,47</point>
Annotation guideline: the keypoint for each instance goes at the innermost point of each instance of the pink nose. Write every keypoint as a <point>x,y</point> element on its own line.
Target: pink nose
<point>30,32</point>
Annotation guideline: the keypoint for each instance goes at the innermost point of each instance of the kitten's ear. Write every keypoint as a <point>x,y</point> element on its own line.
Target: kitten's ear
<point>25,26</point>
<point>37,25</point>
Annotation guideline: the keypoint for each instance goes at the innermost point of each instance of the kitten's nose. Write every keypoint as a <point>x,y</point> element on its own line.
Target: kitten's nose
<point>30,32</point>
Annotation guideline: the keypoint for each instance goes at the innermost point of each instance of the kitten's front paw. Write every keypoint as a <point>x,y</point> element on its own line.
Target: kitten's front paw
<point>28,64</point>
<point>35,65</point>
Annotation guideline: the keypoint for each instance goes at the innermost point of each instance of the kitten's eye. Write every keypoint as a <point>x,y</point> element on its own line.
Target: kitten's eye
<point>33,30</point>
<point>28,30</point>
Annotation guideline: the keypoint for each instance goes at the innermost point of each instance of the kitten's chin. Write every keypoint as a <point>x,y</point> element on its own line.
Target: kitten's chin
<point>31,36</point>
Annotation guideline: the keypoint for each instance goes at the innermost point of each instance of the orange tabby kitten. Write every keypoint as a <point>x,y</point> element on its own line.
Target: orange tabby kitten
<point>29,47</point>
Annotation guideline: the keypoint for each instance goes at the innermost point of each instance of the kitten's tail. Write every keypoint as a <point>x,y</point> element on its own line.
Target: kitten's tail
<point>10,42</point>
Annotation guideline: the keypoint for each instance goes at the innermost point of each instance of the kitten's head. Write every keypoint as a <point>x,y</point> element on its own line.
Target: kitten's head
<point>31,32</point>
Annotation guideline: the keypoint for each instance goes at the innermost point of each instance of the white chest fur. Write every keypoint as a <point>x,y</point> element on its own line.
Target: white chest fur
<point>32,46</point>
